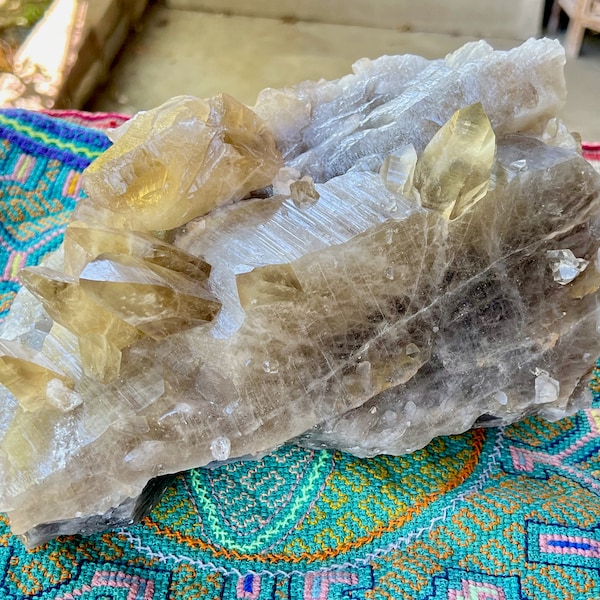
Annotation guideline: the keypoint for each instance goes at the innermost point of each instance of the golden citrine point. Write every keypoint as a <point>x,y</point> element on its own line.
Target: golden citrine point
<point>181,160</point>
<point>153,299</point>
<point>453,173</point>
<point>27,374</point>
<point>66,303</point>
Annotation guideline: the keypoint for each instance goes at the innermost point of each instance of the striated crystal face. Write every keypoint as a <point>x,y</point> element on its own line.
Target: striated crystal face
<point>326,128</point>
<point>507,334</point>
<point>441,273</point>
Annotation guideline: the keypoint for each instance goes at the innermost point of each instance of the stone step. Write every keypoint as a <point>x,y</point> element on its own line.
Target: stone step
<point>517,19</point>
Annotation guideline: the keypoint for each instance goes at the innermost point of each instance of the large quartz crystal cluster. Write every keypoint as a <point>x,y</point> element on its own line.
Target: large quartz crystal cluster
<point>362,264</point>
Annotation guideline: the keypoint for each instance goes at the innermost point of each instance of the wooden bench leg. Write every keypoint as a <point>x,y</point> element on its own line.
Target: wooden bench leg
<point>574,38</point>
<point>554,19</point>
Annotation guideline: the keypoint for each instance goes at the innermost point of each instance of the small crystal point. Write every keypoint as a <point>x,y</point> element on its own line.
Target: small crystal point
<point>398,170</point>
<point>155,300</point>
<point>284,179</point>
<point>303,192</point>
<point>271,366</point>
<point>28,375</point>
<point>412,349</point>
<point>565,265</point>
<point>547,389</point>
<point>556,133</point>
<point>220,448</point>
<point>453,173</point>
<point>266,285</point>
<point>501,397</point>
<point>519,165</point>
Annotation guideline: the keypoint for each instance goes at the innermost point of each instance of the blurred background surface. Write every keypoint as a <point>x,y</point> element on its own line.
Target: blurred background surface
<point>130,55</point>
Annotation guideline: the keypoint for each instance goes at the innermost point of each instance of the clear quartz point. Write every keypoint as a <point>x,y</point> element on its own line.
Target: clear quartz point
<point>547,389</point>
<point>565,265</point>
<point>398,171</point>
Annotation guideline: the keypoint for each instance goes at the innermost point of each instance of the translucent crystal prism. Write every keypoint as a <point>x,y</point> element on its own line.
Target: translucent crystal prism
<point>84,242</point>
<point>202,153</point>
<point>152,299</point>
<point>453,173</point>
<point>29,375</point>
<point>102,335</point>
<point>565,265</point>
<point>398,170</point>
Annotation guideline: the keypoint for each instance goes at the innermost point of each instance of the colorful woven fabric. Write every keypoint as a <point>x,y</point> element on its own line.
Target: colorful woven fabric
<point>592,153</point>
<point>41,160</point>
<point>491,514</point>
<point>100,120</point>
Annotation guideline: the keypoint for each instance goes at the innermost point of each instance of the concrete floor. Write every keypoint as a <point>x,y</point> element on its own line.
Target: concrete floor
<point>186,52</point>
